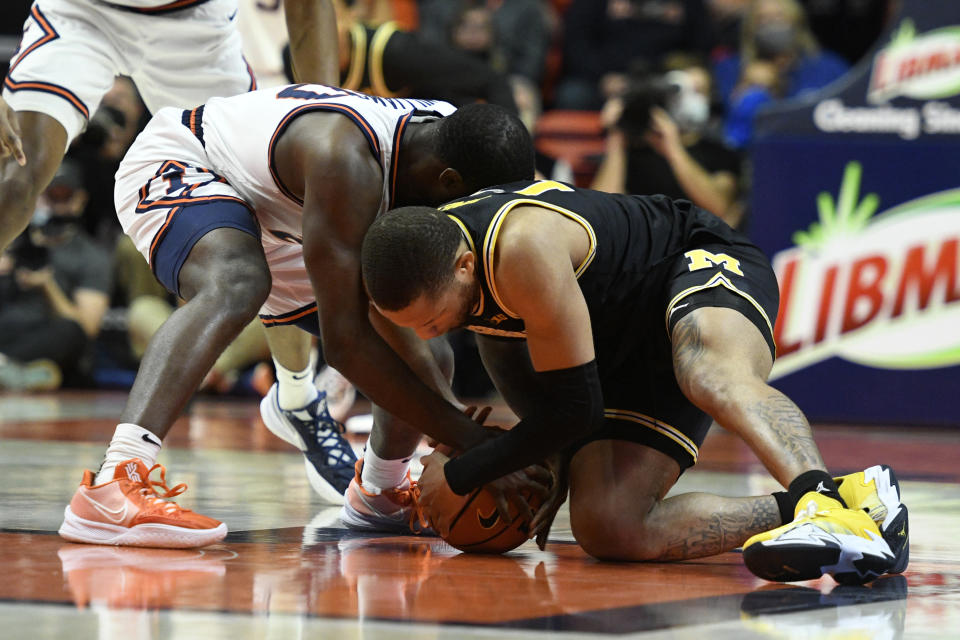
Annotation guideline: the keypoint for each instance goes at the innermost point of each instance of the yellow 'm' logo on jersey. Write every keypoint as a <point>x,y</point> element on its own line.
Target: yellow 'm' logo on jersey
<point>701,259</point>
<point>497,319</point>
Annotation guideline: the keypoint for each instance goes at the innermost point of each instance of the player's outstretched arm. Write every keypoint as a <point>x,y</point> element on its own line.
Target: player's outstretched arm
<point>535,278</point>
<point>342,182</point>
<point>312,27</point>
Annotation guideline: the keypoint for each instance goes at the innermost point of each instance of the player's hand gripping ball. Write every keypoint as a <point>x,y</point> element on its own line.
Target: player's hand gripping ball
<point>473,523</point>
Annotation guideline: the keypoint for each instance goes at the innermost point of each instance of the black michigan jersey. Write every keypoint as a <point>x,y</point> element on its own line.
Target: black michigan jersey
<point>634,241</point>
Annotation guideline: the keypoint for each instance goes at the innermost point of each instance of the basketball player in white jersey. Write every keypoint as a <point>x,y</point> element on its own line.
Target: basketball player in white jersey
<point>259,203</point>
<point>178,53</point>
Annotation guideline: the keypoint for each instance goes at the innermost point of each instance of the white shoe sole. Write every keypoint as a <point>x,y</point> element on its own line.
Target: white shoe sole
<point>274,421</point>
<point>888,493</point>
<point>353,519</point>
<point>77,529</point>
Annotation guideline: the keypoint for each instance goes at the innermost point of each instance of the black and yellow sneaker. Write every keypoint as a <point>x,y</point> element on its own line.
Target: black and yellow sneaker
<point>877,492</point>
<point>824,538</point>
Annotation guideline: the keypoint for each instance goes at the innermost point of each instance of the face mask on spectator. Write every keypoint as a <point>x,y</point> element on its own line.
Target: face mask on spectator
<point>689,108</point>
<point>774,39</point>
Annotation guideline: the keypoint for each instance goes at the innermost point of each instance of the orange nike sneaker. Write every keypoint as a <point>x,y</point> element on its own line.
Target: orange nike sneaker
<point>128,511</point>
<point>395,510</point>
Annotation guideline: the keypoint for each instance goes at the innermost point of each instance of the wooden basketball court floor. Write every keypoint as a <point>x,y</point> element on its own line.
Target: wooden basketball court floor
<point>289,571</point>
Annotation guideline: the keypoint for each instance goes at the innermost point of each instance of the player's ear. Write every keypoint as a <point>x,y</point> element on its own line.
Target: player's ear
<point>451,180</point>
<point>465,263</point>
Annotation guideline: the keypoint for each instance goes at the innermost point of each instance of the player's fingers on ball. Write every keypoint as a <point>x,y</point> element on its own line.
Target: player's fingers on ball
<point>482,416</point>
<point>470,410</point>
<point>503,507</point>
<point>542,541</point>
<point>538,480</point>
<point>543,516</point>
<point>526,511</point>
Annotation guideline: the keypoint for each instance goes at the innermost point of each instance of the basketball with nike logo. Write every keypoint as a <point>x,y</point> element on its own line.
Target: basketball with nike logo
<point>478,527</point>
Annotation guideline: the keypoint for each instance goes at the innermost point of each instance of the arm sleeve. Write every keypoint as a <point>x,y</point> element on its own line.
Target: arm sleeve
<point>572,409</point>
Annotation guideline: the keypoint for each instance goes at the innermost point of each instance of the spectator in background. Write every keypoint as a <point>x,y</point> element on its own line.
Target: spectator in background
<point>515,45</point>
<point>57,291</point>
<point>513,36</point>
<point>602,38</point>
<point>659,141</point>
<point>779,58</point>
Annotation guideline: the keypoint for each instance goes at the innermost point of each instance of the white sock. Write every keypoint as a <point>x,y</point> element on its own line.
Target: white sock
<point>129,441</point>
<point>295,388</point>
<point>379,474</point>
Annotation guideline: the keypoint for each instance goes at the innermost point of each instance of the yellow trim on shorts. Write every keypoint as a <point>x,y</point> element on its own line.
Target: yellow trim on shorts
<point>493,231</point>
<point>377,45</point>
<point>716,281</point>
<point>659,426</point>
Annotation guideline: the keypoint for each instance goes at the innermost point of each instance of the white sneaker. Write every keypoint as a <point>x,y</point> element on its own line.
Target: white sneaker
<point>328,457</point>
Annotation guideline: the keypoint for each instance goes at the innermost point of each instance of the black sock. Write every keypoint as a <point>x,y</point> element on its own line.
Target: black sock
<point>815,480</point>
<point>786,506</point>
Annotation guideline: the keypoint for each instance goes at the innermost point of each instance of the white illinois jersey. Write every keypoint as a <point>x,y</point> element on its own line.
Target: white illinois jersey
<point>223,152</point>
<point>240,133</point>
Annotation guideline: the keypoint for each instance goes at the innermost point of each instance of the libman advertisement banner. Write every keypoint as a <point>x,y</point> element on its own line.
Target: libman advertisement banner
<point>856,199</point>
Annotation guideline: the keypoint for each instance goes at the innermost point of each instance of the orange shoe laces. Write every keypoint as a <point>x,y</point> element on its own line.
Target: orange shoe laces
<point>148,490</point>
<point>409,497</point>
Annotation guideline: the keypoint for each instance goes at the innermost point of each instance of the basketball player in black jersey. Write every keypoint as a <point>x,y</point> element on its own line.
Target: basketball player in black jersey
<point>617,328</point>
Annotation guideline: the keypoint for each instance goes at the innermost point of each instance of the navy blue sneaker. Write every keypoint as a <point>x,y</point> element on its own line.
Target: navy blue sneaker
<point>328,457</point>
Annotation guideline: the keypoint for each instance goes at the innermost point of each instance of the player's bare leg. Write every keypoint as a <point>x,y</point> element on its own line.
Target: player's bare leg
<point>44,141</point>
<point>224,280</point>
<point>617,488</point>
<point>722,362</point>
<point>618,510</point>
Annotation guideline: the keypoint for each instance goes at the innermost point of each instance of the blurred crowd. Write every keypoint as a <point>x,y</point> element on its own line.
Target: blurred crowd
<point>628,96</point>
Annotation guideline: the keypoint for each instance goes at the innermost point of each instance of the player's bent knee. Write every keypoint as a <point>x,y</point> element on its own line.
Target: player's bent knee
<point>606,537</point>
<point>709,388</point>
<point>245,288</point>
<point>18,195</point>
<point>602,531</point>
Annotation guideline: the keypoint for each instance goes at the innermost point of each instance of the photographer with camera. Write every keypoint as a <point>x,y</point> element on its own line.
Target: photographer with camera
<point>55,291</point>
<point>658,141</point>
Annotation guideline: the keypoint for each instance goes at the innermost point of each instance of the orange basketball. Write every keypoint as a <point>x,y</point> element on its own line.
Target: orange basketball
<point>478,527</point>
